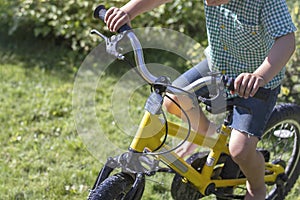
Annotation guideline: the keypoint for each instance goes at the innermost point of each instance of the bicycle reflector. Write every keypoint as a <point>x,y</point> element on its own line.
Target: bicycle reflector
<point>284,133</point>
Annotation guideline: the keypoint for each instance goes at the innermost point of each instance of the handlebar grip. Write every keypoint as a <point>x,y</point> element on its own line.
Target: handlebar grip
<point>262,93</point>
<point>99,13</point>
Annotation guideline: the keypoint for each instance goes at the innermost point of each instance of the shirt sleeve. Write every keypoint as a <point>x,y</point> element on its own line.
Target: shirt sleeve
<point>277,19</point>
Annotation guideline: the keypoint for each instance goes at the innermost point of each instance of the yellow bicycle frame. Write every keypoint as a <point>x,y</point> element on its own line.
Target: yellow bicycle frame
<point>152,129</point>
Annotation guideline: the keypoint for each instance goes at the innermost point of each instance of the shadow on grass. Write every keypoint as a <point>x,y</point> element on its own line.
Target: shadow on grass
<point>25,49</point>
<point>56,57</point>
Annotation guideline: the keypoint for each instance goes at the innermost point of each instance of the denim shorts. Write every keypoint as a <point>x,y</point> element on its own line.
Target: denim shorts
<point>250,115</point>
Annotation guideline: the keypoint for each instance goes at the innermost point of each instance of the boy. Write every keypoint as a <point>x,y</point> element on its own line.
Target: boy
<point>251,41</point>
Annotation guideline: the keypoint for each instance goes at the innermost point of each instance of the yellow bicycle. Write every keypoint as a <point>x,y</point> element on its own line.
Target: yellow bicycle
<point>204,173</point>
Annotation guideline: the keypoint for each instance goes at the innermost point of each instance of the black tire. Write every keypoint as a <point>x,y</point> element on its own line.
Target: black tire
<point>116,187</point>
<point>285,120</point>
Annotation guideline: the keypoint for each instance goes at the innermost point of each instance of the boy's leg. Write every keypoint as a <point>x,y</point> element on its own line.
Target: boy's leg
<point>198,120</point>
<point>242,148</point>
<point>250,117</point>
<point>243,151</point>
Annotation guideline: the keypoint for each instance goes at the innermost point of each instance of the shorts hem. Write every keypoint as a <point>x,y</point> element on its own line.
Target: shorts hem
<point>247,132</point>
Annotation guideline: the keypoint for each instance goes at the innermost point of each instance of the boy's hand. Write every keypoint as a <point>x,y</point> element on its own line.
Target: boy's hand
<point>247,84</point>
<point>115,18</point>
<point>216,2</point>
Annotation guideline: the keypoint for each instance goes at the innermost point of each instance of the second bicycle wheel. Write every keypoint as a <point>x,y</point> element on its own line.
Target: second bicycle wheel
<point>280,144</point>
<point>281,140</point>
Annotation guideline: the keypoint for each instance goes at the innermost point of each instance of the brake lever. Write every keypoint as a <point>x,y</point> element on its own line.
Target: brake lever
<point>112,43</point>
<point>214,90</point>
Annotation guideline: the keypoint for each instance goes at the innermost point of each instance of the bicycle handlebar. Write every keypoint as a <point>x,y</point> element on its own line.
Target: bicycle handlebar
<point>100,12</point>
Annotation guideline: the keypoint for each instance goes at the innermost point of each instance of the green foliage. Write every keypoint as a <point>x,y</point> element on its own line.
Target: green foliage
<point>64,20</point>
<point>291,90</point>
<point>181,15</point>
<point>72,20</point>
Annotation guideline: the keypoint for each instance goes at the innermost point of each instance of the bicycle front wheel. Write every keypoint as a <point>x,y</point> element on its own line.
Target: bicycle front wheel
<point>116,187</point>
<point>281,140</point>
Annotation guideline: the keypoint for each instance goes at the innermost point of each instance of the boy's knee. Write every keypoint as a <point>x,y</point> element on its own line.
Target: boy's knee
<point>238,153</point>
<point>242,147</point>
<point>172,108</point>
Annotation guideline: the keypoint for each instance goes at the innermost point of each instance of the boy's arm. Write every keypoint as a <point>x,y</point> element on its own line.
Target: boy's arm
<point>247,84</point>
<point>116,17</point>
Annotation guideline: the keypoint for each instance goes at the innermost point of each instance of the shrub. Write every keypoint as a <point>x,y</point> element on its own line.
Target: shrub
<point>63,20</point>
<point>72,20</point>
<point>291,82</point>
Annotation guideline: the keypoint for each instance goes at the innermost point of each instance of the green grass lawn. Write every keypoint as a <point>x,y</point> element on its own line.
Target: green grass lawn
<point>42,156</point>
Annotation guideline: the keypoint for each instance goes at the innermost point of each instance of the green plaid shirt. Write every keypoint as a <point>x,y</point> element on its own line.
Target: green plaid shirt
<point>241,33</point>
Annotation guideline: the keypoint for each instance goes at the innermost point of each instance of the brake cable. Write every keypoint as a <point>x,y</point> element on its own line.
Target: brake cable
<point>165,117</point>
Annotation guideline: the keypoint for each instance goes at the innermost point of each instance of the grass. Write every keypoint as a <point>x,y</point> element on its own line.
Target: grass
<point>38,137</point>
<point>42,156</point>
